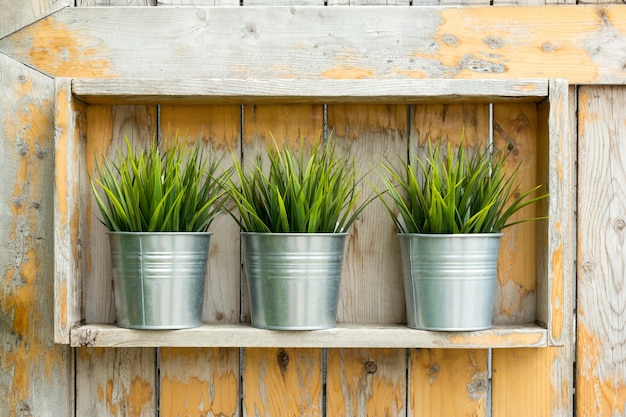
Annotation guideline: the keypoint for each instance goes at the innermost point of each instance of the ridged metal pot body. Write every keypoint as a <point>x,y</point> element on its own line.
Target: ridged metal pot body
<point>293,279</point>
<point>159,278</point>
<point>449,280</point>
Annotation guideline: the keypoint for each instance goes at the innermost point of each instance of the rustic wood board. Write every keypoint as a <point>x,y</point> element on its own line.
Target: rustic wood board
<point>366,382</point>
<point>371,284</point>
<point>329,42</point>
<point>35,374</point>
<point>448,382</point>
<point>116,382</point>
<point>282,382</point>
<point>16,15</point>
<point>600,387</point>
<point>199,382</point>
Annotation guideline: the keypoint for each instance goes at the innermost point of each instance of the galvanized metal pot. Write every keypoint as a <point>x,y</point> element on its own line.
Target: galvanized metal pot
<point>449,280</point>
<point>293,279</point>
<point>159,278</point>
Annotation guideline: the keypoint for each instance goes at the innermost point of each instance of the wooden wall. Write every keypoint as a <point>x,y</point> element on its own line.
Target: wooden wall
<point>39,378</point>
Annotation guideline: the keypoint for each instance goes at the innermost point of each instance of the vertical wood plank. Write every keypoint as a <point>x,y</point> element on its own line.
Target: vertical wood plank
<point>35,374</point>
<point>116,382</point>
<point>515,132</point>
<point>281,382</point>
<point>107,127</point>
<point>601,347</point>
<point>448,382</point>
<point>199,382</point>
<point>371,284</point>
<point>205,382</point>
<point>366,382</point>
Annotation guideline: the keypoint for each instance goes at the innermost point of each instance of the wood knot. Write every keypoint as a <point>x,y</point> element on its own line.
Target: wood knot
<point>283,360</point>
<point>620,224</point>
<point>370,367</point>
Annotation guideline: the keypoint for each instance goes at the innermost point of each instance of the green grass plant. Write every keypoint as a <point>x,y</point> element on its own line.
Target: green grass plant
<point>300,192</point>
<point>176,190</point>
<point>450,192</point>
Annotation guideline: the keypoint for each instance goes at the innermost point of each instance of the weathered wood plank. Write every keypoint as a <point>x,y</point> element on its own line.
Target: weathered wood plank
<point>366,382</point>
<point>282,382</point>
<point>239,91</point>
<point>199,382</point>
<point>116,382</point>
<point>106,130</point>
<point>219,129</point>
<point>35,374</point>
<point>91,3</point>
<point>515,132</point>
<point>448,382</point>
<point>371,287</point>
<point>601,369</point>
<point>197,2</point>
<point>343,336</point>
<point>18,14</point>
<point>329,42</point>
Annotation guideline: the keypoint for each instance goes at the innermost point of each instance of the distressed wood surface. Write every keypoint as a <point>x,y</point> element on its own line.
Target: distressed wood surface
<point>35,376</point>
<point>448,382</point>
<point>371,285</point>
<point>109,3</point>
<point>243,91</point>
<point>601,370</point>
<point>16,15</point>
<point>329,42</point>
<point>282,382</point>
<point>199,382</point>
<point>116,382</point>
<point>366,382</point>
<point>343,336</point>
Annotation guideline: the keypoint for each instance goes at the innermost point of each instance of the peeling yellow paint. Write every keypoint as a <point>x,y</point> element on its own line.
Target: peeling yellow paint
<point>556,298</point>
<point>346,72</point>
<point>56,48</point>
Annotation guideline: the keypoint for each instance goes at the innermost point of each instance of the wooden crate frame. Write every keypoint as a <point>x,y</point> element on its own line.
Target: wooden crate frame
<point>554,270</point>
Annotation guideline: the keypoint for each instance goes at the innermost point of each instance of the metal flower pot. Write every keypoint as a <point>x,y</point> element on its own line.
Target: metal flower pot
<point>293,279</point>
<point>159,278</point>
<point>449,280</point>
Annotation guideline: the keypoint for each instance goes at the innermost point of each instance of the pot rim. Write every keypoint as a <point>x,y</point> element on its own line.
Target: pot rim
<point>451,235</point>
<point>294,234</point>
<point>112,232</point>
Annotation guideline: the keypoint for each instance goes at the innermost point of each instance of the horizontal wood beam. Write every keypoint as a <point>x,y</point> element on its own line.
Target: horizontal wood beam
<point>343,336</point>
<point>584,44</point>
<point>238,91</point>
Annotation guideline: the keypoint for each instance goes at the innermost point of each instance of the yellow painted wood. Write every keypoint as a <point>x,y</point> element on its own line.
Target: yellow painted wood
<point>586,47</point>
<point>282,382</point>
<point>601,264</point>
<point>366,382</point>
<point>522,384</point>
<point>515,134</point>
<point>448,382</point>
<point>371,284</point>
<point>116,382</point>
<point>198,382</point>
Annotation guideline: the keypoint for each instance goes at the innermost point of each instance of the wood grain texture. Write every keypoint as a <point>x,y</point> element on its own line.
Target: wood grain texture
<point>16,15</point>
<point>172,3</point>
<point>199,382</point>
<point>297,91</point>
<point>106,130</point>
<point>372,286</point>
<point>328,42</point>
<point>35,376</point>
<point>282,382</point>
<point>601,370</point>
<point>109,3</point>
<point>116,382</point>
<point>448,382</point>
<point>366,382</point>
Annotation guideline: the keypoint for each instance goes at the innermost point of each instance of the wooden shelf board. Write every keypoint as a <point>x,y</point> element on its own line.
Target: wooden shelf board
<point>343,336</point>
<point>252,91</point>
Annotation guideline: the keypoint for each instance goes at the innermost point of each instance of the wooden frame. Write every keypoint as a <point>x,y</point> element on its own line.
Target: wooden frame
<point>554,276</point>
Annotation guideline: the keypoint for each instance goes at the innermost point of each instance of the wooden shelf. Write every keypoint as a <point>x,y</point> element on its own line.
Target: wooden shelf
<point>343,336</point>
<point>236,91</point>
